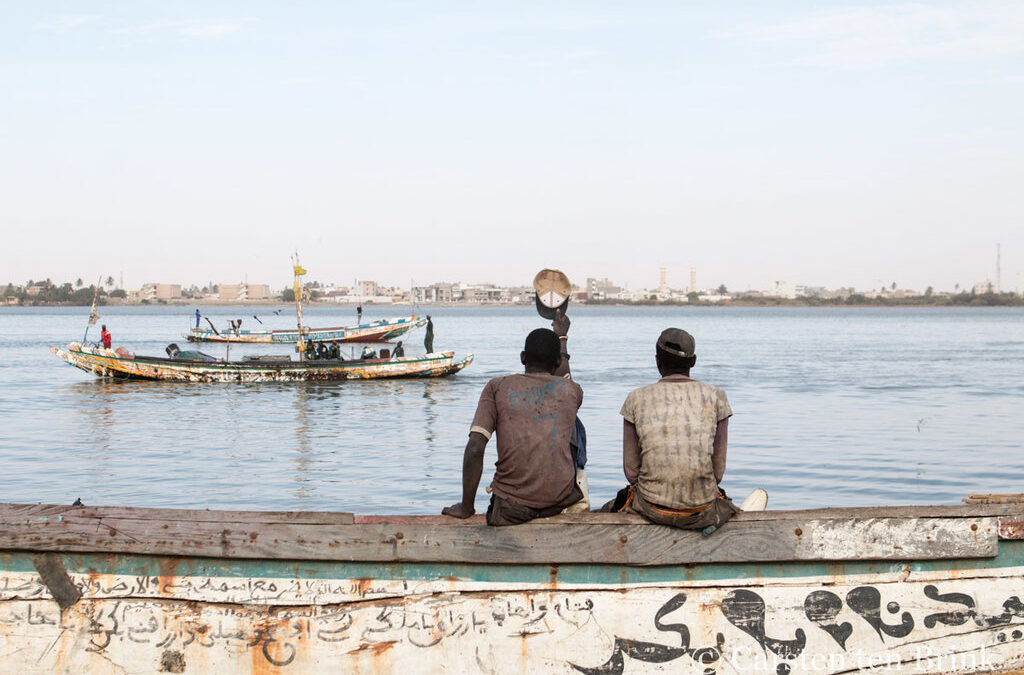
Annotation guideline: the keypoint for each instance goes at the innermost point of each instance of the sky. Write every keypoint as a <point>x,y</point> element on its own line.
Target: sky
<point>825,144</point>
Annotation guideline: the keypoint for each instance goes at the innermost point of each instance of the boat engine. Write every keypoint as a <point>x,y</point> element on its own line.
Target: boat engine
<point>172,350</point>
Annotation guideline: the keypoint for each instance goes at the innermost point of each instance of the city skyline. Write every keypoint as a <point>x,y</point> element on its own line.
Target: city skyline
<point>663,284</point>
<point>836,145</point>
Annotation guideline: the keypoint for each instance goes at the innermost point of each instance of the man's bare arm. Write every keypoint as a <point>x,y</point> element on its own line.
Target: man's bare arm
<point>630,452</point>
<point>719,448</point>
<point>560,324</point>
<point>472,469</point>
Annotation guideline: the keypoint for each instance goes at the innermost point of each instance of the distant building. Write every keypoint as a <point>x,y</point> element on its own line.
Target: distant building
<point>783,289</point>
<point>243,291</point>
<point>985,286</point>
<point>434,293</point>
<point>602,289</point>
<point>841,293</point>
<point>160,292</point>
<point>367,288</point>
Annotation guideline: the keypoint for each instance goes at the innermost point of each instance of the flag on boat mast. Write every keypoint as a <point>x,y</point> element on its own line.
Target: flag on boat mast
<point>298,288</point>
<point>94,314</point>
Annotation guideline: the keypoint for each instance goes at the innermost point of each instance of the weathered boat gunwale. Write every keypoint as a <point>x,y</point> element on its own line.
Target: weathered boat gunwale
<point>597,538</point>
<point>381,330</point>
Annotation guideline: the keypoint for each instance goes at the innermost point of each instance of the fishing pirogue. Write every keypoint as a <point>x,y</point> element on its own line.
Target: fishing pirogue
<point>375,331</point>
<point>189,366</point>
<point>914,589</point>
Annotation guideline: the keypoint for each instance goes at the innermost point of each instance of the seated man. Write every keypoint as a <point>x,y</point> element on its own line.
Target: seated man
<point>534,415</point>
<point>674,435</point>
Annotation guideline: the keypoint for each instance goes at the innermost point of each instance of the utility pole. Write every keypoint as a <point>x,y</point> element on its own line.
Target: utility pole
<point>999,271</point>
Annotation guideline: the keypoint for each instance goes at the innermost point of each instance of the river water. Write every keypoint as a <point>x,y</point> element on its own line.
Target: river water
<point>833,407</point>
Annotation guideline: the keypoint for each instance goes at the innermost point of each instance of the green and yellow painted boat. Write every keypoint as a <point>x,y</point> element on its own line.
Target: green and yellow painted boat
<point>200,367</point>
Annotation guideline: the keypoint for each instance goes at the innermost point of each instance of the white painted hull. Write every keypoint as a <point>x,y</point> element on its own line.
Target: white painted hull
<point>261,625</point>
<point>386,601</point>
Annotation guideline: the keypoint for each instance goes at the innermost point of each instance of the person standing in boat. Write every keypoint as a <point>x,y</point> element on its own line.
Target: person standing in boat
<point>533,415</point>
<point>197,317</point>
<point>399,350</point>
<point>359,314</point>
<point>674,435</point>
<point>105,338</point>
<point>428,337</point>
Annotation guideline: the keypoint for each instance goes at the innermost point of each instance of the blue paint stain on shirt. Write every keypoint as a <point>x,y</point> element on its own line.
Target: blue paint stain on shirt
<point>535,396</point>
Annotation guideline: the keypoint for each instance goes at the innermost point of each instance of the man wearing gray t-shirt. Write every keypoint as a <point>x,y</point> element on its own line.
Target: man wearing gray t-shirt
<point>532,415</point>
<point>674,435</point>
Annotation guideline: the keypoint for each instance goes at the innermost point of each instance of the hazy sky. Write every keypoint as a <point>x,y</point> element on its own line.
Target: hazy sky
<point>817,143</point>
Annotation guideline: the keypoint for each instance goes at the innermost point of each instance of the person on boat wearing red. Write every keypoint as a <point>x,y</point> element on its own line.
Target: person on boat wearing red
<point>534,415</point>
<point>674,436</point>
<point>105,336</point>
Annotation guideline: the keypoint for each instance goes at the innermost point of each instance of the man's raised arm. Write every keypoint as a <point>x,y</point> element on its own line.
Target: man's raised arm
<point>560,325</point>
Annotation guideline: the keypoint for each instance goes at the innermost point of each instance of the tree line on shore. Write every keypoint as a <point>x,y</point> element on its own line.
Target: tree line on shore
<point>49,293</point>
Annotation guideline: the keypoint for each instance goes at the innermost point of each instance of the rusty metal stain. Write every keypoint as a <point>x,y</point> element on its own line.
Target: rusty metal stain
<point>1011,528</point>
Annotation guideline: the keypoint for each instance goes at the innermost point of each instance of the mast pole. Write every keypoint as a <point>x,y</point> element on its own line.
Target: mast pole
<point>93,314</point>
<point>297,289</point>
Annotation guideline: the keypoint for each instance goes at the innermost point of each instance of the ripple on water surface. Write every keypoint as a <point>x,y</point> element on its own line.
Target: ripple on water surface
<point>832,407</point>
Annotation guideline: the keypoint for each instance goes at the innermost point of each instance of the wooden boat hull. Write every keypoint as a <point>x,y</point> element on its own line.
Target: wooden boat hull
<point>107,363</point>
<point>376,331</point>
<point>870,590</point>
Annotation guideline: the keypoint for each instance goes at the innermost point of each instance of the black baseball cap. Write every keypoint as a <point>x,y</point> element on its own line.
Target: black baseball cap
<point>677,341</point>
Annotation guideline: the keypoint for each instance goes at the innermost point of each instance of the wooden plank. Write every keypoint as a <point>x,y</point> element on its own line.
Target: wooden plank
<point>912,511</point>
<point>15,511</point>
<point>229,518</point>
<point>994,499</point>
<point>538,543</point>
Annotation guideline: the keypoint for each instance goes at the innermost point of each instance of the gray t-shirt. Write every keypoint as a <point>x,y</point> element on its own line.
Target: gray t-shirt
<point>676,419</point>
<point>533,415</point>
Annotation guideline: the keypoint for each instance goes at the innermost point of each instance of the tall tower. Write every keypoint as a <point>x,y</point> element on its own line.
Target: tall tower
<point>663,288</point>
<point>693,278</point>
<point>999,271</point>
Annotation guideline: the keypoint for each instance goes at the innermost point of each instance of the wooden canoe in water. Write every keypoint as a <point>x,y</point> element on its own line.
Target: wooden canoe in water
<point>375,331</point>
<point>882,590</point>
<point>204,368</point>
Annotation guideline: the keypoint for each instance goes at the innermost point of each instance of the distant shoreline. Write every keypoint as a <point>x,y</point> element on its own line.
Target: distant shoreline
<point>962,300</point>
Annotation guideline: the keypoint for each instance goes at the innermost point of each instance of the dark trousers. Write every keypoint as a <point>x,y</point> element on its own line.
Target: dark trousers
<point>501,511</point>
<point>717,512</point>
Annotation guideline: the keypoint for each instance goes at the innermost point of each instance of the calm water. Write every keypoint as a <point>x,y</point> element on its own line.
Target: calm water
<point>832,407</point>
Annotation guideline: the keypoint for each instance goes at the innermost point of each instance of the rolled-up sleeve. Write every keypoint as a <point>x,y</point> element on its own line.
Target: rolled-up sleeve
<point>486,418</point>
<point>724,411</point>
<point>628,410</point>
